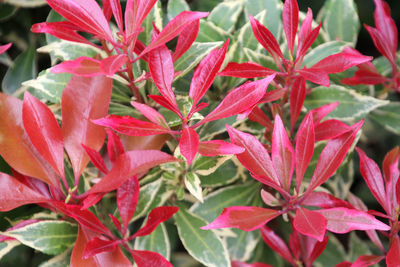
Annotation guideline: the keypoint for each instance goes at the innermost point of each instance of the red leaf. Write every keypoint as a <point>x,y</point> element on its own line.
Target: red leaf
<point>391,175</point>
<point>157,215</point>
<point>321,112</point>
<point>343,220</point>
<point>135,13</point>
<point>218,147</point>
<point>131,126</point>
<point>259,116</point>
<point>277,244</point>
<point>332,156</point>
<point>297,97</point>
<point>189,143</point>
<point>115,258</point>
<point>97,245</point>
<point>96,159</point>
<point>242,217</point>
<point>186,39</point>
<point>129,164</point>
<point>340,62</point>
<point>367,260</point>
<point>114,146</point>
<point>304,148</point>
<point>44,132</point>
<point>16,147</point>
<point>324,200</point>
<point>243,264</point>
<point>393,256</point>
<point>381,43</point>
<point>206,72</point>
<point>273,95</point>
<point>315,75</point>
<point>266,39</point>
<point>255,158</point>
<point>282,154</point>
<point>162,71</point>
<point>144,258</point>
<point>373,177</point>
<point>306,44</point>
<point>116,9</point>
<point>4,48</point>
<point>290,19</point>
<point>127,199</point>
<point>304,32</point>
<point>245,70</point>
<point>330,129</point>
<point>85,14</point>
<point>165,103</point>
<point>150,113</point>
<point>116,222</point>
<point>15,194</point>
<point>310,223</point>
<point>61,29</point>
<point>239,99</point>
<point>112,64</point>
<point>107,11</point>
<point>364,77</point>
<point>83,100</point>
<point>173,28</point>
<point>91,200</point>
<point>317,250</point>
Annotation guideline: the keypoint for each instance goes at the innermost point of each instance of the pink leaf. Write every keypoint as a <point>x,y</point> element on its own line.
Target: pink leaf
<point>115,258</point>
<point>116,10</point>
<point>277,244</point>
<point>365,77</point>
<point>127,199</point>
<point>343,220</point>
<point>206,72</point>
<point>85,14</point>
<point>159,99</point>
<point>173,28</point>
<point>112,64</point>
<point>340,62</point>
<point>332,156</point>
<point>324,200</point>
<point>282,154</point>
<point>44,132</point>
<point>315,75</point>
<point>189,143</point>
<point>307,42</point>
<point>96,159</point>
<point>61,29</point>
<point>367,260</point>
<point>243,264</point>
<point>266,39</point>
<point>129,164</point>
<point>310,223</point>
<point>97,245</point>
<point>218,147</point>
<point>131,126</point>
<point>245,70</point>
<point>242,217</point>
<point>317,250</point>
<point>239,99</point>
<point>255,158</point>
<point>290,18</point>
<point>373,177</point>
<point>116,222</point>
<point>391,175</point>
<point>186,39</point>
<point>393,256</point>
<point>83,100</point>
<point>162,71</point>
<point>114,146</point>
<point>381,43</point>
<point>297,97</point>
<point>330,129</point>
<point>157,215</point>
<point>15,194</point>
<point>259,116</point>
<point>304,32</point>
<point>144,258</point>
<point>321,112</point>
<point>135,13</point>
<point>273,95</point>
<point>150,113</point>
<point>304,148</point>
<point>4,48</point>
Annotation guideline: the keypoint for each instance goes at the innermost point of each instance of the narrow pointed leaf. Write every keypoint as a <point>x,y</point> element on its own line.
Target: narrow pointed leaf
<point>4,48</point>
<point>150,113</point>
<point>276,243</point>
<point>189,144</point>
<point>290,19</point>
<point>127,199</point>
<point>114,145</point>
<point>242,217</point>
<point>393,256</point>
<point>129,164</point>
<point>98,245</point>
<point>330,129</point>
<point>144,258</point>
<point>310,223</point>
<point>245,70</point>
<point>243,264</point>
<point>157,215</point>
<point>84,99</point>
<point>186,39</point>
<point>367,260</point>
<point>340,62</point>
<point>218,147</point>
<point>117,12</point>
<point>315,75</point>
<point>96,159</point>
<point>44,132</point>
<point>297,96</point>
<point>304,32</point>
<point>381,43</point>
<point>306,44</point>
<point>324,200</point>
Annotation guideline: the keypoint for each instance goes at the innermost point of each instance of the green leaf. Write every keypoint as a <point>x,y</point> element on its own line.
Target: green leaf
<point>7,246</point>
<point>263,60</point>
<point>226,14</point>
<point>23,69</point>
<point>242,246</point>
<point>352,107</point>
<point>49,85</point>
<point>322,51</point>
<point>214,203</point>
<point>388,116</point>
<point>7,11</point>
<point>61,260</point>
<point>121,109</point>
<point>207,165</point>
<point>175,7</point>
<point>157,241</point>
<point>192,183</point>
<point>65,50</point>
<point>204,246</point>
<point>340,20</point>
<point>193,56</point>
<point>26,3</point>
<point>121,93</point>
<point>226,173</point>
<point>147,194</point>
<point>49,237</point>
<point>273,20</point>
<point>209,32</point>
